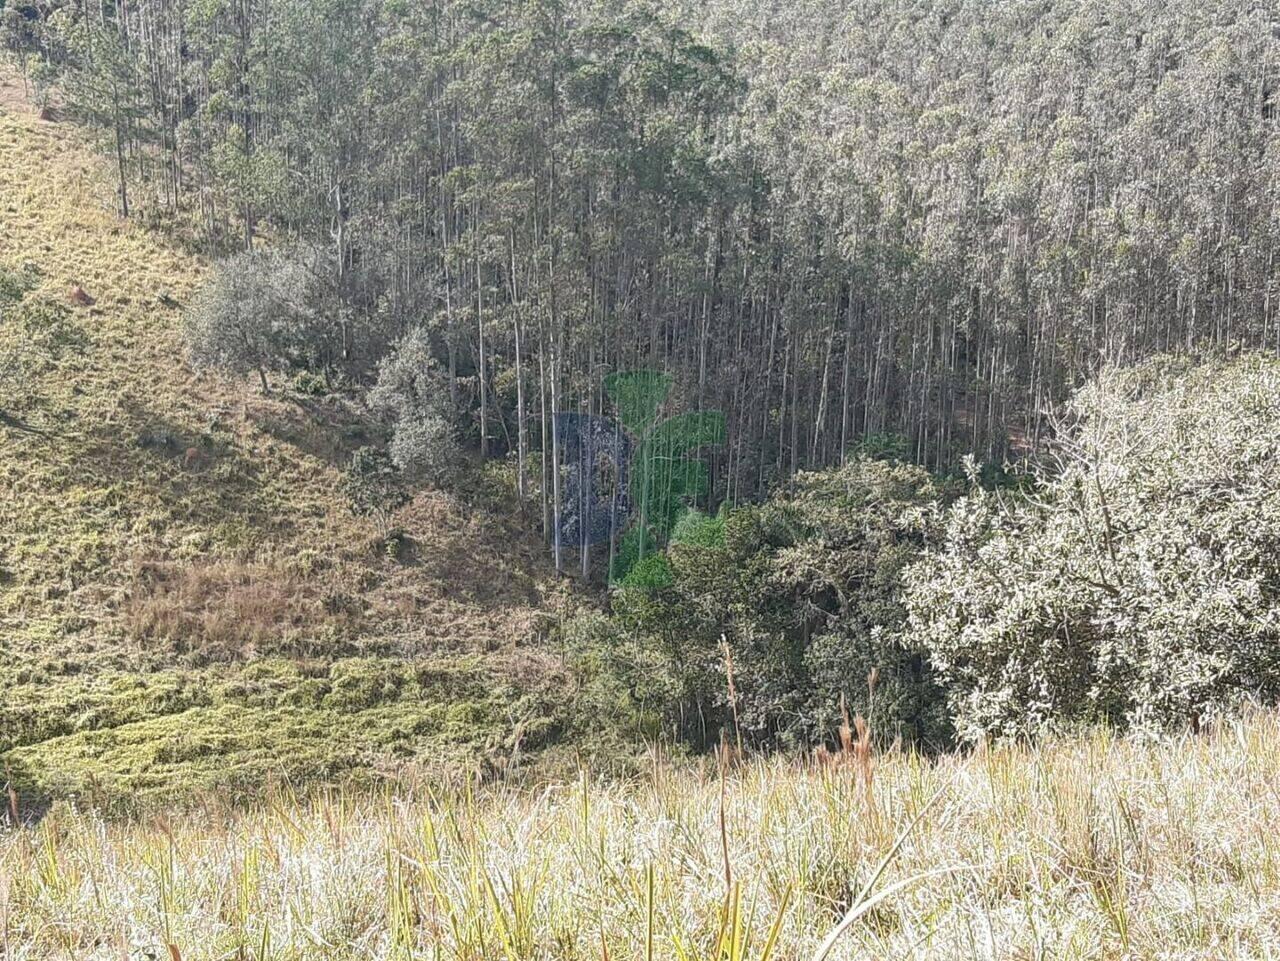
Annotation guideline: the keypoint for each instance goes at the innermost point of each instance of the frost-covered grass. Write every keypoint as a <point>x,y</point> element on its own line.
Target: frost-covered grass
<point>1096,847</point>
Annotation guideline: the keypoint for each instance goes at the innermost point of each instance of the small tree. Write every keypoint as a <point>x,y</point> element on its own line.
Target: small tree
<point>17,35</point>
<point>259,314</point>
<point>412,394</point>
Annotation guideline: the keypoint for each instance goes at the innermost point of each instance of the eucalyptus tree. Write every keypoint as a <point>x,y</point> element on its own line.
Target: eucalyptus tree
<point>832,222</point>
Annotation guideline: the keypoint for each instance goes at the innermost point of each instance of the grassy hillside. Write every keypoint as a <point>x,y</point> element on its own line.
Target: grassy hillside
<point>1095,848</point>
<point>185,599</point>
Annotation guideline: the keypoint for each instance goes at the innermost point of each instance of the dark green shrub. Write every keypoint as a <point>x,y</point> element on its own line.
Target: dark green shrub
<point>802,594</point>
<point>374,487</point>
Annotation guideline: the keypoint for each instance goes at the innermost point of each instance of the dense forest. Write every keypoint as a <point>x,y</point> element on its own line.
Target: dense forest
<point>830,221</point>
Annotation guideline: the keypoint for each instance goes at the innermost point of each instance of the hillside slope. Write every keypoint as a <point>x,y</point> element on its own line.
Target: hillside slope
<point>185,599</point>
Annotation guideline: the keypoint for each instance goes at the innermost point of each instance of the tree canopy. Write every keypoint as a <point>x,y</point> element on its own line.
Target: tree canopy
<point>827,221</point>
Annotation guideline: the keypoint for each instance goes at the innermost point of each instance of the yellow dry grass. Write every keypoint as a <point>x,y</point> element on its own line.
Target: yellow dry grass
<point>163,520</point>
<point>1095,848</point>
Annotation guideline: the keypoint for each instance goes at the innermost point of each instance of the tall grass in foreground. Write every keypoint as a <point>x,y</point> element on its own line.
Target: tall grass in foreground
<point>1092,848</point>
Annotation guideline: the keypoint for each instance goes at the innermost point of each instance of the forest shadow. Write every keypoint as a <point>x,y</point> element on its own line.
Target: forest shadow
<point>326,428</point>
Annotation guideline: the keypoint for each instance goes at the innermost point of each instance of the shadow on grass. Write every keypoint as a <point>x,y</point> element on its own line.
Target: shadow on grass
<point>194,473</point>
<point>23,801</point>
<point>329,429</point>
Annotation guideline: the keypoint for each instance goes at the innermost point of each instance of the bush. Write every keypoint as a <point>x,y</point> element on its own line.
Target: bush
<point>374,487</point>
<point>803,594</point>
<point>412,394</point>
<point>1140,584</point>
<point>265,312</point>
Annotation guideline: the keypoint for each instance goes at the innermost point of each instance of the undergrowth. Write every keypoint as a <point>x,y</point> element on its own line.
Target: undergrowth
<point>1096,847</point>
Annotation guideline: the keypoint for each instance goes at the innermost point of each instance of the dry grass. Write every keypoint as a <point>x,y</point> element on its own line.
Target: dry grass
<point>177,530</point>
<point>149,459</point>
<point>238,609</point>
<point>1086,849</point>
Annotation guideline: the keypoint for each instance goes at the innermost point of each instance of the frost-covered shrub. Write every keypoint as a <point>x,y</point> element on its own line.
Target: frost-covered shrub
<point>1140,581</point>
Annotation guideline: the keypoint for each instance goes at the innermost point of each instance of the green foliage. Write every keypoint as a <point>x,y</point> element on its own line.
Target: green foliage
<point>637,396</point>
<point>309,384</point>
<point>667,479</point>
<point>700,530</point>
<point>412,392</point>
<point>262,313</point>
<point>123,740</point>
<point>648,572</point>
<point>804,590</point>
<point>635,545</point>
<point>885,446</point>
<point>1138,582</point>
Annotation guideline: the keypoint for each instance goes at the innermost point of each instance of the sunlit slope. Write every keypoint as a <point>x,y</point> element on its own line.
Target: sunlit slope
<point>1094,848</point>
<point>185,599</point>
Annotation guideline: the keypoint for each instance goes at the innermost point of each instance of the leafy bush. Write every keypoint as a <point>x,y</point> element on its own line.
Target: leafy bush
<point>374,487</point>
<point>801,595</point>
<point>265,312</point>
<point>1140,583</point>
<point>412,393</point>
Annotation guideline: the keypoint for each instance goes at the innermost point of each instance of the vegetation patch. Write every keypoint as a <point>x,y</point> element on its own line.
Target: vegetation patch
<point>128,741</point>
<point>1090,848</point>
<point>186,599</point>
